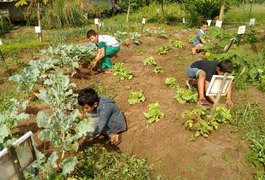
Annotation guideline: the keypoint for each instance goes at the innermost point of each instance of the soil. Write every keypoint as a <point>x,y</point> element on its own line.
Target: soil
<point>166,143</point>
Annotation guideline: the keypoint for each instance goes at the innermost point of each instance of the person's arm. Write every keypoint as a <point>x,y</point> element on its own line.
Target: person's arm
<point>207,83</point>
<point>203,40</point>
<point>100,55</point>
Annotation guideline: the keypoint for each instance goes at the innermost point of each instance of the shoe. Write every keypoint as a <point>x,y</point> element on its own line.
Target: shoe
<point>203,102</point>
<point>188,84</point>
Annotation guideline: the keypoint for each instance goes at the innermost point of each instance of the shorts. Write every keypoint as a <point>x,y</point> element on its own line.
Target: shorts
<point>193,72</point>
<point>198,46</point>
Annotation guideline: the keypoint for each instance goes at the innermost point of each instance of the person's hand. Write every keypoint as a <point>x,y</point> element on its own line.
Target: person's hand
<point>93,63</point>
<point>229,103</point>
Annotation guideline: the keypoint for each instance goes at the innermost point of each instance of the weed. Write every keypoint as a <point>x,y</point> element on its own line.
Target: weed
<point>158,70</point>
<point>140,51</point>
<point>97,162</point>
<point>163,49</point>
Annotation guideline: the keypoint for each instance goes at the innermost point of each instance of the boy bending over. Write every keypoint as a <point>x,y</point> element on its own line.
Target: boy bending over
<point>202,71</point>
<point>107,46</point>
<point>107,117</point>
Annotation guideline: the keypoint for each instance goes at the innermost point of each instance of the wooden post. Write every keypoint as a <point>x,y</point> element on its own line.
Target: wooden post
<point>128,11</point>
<point>39,23</point>
<point>216,102</point>
<point>15,161</point>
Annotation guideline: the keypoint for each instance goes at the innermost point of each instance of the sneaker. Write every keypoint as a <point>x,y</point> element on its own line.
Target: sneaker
<point>203,102</point>
<point>188,84</point>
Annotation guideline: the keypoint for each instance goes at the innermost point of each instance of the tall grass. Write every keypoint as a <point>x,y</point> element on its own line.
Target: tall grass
<point>172,11</point>
<point>65,13</point>
<point>240,14</point>
<point>251,120</point>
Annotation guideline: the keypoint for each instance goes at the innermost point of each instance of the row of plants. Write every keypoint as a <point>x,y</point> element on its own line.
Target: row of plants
<point>62,125</point>
<point>249,71</point>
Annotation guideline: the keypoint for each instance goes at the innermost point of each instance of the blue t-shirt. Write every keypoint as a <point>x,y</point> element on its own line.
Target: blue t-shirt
<point>197,39</point>
<point>107,118</point>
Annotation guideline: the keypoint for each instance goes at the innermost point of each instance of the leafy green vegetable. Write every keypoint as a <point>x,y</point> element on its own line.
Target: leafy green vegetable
<point>186,95</point>
<point>150,61</point>
<point>199,121</point>
<point>161,33</point>
<point>121,72</point>
<point>136,97</point>
<point>171,82</point>
<point>154,113</point>
<point>135,36</point>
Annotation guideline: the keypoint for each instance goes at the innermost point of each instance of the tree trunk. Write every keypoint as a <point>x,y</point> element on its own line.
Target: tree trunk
<point>221,13</point>
<point>162,6</point>
<point>128,11</point>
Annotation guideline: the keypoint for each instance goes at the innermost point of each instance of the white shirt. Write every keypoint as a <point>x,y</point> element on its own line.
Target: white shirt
<point>109,40</point>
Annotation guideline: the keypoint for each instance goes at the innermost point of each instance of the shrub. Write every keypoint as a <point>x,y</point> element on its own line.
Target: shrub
<point>5,26</point>
<point>202,9</point>
<point>64,13</point>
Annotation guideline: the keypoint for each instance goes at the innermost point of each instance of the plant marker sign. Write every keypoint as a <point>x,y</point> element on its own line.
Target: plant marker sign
<point>241,30</point>
<point>96,21</point>
<point>215,85</point>
<point>14,159</point>
<point>252,21</point>
<point>143,21</point>
<point>183,20</point>
<point>228,46</point>
<point>37,29</point>
<point>218,87</point>
<point>218,23</point>
<point>209,21</point>
<point>1,43</point>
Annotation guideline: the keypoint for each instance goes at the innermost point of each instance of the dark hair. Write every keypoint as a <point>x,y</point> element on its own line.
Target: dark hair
<point>225,66</point>
<point>90,33</point>
<point>87,96</point>
<point>204,23</point>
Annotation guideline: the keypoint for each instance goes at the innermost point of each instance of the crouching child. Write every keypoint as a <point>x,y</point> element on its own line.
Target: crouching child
<point>107,117</point>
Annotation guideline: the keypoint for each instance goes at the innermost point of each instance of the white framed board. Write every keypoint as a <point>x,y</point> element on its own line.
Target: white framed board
<point>215,85</point>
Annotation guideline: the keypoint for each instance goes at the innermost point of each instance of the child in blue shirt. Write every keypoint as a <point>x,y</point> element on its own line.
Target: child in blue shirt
<point>106,116</point>
<point>107,46</point>
<point>198,41</point>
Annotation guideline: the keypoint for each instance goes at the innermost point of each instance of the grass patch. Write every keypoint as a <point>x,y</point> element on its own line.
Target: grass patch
<point>240,14</point>
<point>251,120</point>
<point>97,162</point>
<point>6,96</point>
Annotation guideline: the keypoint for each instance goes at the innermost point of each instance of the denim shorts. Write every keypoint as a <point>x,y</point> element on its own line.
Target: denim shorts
<point>193,72</point>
